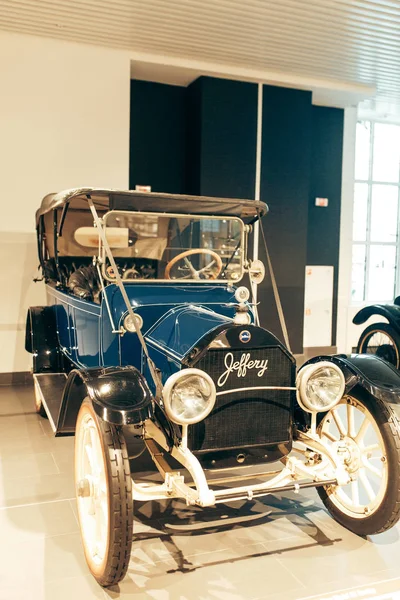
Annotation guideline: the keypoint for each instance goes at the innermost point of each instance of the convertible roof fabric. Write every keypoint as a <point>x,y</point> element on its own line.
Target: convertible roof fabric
<point>248,210</point>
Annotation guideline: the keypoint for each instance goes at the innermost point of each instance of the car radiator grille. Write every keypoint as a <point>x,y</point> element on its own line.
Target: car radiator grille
<point>246,417</point>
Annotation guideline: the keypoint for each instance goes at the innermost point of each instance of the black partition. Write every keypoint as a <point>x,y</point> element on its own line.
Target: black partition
<point>195,140</point>
<point>285,186</point>
<point>202,140</point>
<point>222,134</point>
<point>157,137</point>
<point>326,182</point>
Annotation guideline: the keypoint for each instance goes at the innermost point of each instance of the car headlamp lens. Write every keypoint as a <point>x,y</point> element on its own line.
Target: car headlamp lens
<point>189,396</point>
<point>320,386</point>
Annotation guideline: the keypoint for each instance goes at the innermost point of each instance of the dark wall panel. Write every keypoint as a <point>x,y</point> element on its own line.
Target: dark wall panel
<point>326,182</point>
<point>228,138</point>
<point>223,122</point>
<point>193,137</point>
<point>157,136</point>
<point>202,140</point>
<point>285,186</point>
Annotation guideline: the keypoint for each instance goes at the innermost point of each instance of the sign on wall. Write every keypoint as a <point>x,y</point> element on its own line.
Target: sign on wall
<point>318,304</point>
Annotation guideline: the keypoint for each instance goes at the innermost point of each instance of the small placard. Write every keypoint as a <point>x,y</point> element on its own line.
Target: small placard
<point>321,202</point>
<point>143,188</point>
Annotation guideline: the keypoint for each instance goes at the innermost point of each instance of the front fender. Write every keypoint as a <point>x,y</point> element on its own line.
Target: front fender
<point>391,312</point>
<point>376,376</point>
<point>120,396</point>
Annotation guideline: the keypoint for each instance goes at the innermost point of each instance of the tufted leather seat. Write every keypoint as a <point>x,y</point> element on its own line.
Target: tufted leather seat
<point>84,282</point>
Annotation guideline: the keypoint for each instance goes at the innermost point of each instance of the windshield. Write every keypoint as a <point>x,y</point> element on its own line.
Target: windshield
<point>174,247</point>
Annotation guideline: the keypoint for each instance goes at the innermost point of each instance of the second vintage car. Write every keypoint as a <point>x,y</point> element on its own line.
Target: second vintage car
<point>146,337</point>
<point>381,338</point>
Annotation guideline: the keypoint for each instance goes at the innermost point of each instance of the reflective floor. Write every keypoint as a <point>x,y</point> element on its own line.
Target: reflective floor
<point>282,548</point>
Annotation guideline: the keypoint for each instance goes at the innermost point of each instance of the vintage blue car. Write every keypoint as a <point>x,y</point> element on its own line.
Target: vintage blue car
<point>147,339</point>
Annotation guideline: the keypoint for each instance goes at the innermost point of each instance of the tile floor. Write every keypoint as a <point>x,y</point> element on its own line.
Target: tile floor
<point>285,548</point>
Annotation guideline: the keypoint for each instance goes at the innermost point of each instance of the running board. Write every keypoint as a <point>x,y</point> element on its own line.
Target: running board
<point>50,389</point>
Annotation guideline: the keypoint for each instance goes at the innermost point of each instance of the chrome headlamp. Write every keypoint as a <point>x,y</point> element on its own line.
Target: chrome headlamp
<point>129,325</point>
<point>189,396</point>
<point>320,386</point>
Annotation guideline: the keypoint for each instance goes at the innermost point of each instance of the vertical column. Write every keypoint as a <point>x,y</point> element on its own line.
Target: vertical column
<point>344,316</point>
<point>222,129</point>
<point>256,226</point>
<point>326,181</point>
<point>285,187</point>
<point>157,136</point>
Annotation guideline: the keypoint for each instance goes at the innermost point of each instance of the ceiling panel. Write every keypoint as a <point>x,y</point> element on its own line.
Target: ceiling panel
<point>348,41</point>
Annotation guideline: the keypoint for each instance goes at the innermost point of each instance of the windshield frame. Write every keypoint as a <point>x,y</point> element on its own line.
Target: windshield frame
<point>242,248</point>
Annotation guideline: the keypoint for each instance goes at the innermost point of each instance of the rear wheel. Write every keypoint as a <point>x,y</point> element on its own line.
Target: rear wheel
<point>364,433</point>
<point>383,341</point>
<point>104,496</point>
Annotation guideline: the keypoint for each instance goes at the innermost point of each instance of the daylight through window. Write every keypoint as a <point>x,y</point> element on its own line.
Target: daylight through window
<point>376,212</point>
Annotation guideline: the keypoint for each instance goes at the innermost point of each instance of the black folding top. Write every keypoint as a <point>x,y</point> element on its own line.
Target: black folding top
<point>248,210</point>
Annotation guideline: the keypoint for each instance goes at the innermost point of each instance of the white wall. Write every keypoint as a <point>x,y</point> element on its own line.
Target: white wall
<point>344,313</point>
<point>348,333</point>
<point>64,122</point>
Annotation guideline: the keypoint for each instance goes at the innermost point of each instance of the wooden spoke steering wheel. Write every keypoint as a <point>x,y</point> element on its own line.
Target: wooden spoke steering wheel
<point>194,274</point>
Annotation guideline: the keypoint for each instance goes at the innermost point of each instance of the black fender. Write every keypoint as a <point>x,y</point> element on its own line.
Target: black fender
<point>41,339</point>
<point>379,378</point>
<point>120,395</point>
<point>390,311</point>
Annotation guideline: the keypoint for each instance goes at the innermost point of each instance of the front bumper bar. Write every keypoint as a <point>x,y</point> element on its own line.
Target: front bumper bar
<point>230,495</point>
<point>293,477</point>
<point>316,467</point>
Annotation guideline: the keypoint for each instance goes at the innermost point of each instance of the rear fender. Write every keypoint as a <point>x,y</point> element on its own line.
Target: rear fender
<point>391,312</point>
<point>376,376</point>
<point>120,396</point>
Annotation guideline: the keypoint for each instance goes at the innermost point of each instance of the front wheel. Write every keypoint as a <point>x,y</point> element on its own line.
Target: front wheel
<point>364,433</point>
<point>104,496</point>
<point>383,341</point>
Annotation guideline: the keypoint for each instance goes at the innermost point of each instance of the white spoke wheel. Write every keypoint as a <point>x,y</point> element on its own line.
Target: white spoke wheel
<point>104,496</point>
<point>383,341</point>
<point>367,443</point>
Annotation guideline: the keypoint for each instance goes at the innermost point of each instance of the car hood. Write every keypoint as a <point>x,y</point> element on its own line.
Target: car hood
<point>179,330</point>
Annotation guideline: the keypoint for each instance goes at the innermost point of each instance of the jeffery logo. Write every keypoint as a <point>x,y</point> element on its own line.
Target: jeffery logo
<point>245,336</point>
<point>241,366</point>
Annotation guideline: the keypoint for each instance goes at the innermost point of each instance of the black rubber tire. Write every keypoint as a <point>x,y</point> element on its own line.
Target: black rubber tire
<point>119,485</point>
<point>387,330</point>
<point>388,514</point>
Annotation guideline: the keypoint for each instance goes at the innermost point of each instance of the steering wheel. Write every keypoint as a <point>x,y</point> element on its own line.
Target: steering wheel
<point>194,274</point>
<point>130,273</point>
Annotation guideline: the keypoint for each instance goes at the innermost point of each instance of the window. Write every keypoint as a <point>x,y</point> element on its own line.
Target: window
<point>376,212</point>
<point>158,246</point>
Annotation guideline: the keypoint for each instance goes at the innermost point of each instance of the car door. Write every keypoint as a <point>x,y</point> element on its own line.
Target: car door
<point>85,332</point>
